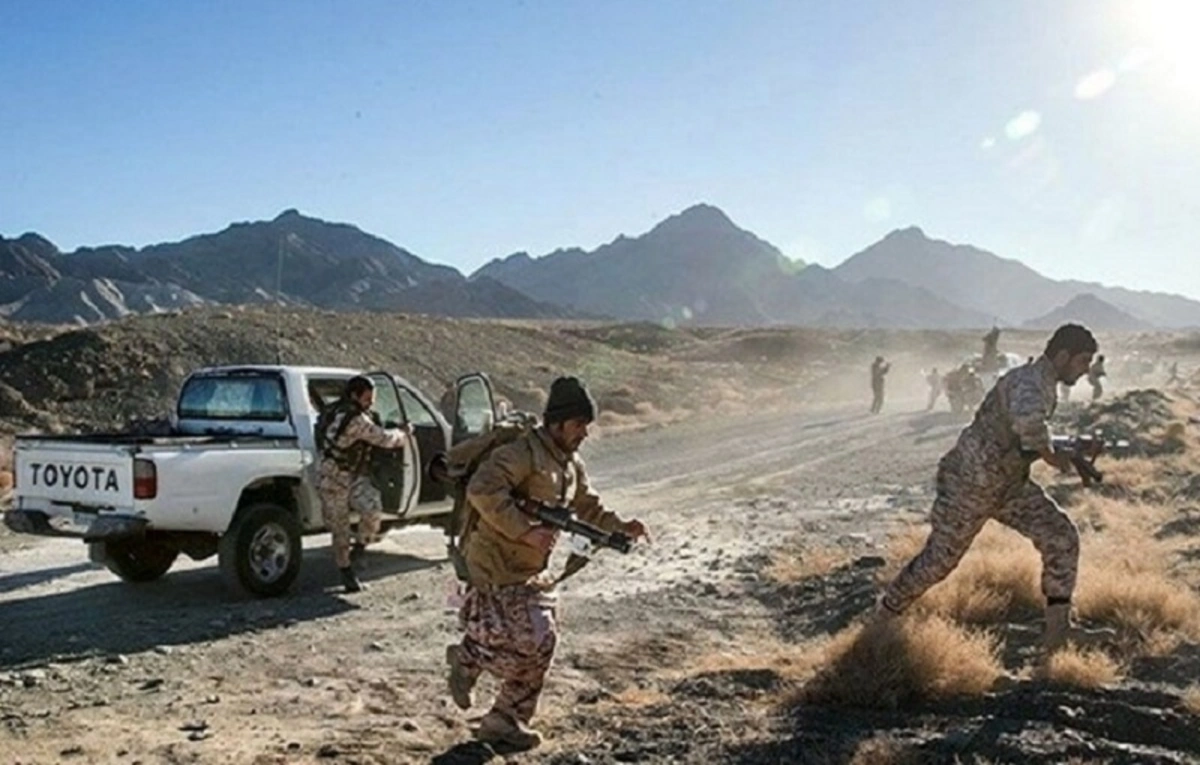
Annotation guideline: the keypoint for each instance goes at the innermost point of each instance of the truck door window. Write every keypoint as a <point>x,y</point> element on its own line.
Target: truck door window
<point>387,406</point>
<point>418,413</point>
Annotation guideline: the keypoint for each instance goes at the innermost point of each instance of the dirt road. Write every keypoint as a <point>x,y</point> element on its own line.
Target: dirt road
<point>93,670</point>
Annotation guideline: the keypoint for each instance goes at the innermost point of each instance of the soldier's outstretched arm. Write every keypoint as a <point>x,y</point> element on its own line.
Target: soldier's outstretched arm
<point>590,509</point>
<point>490,490</point>
<point>361,428</point>
<point>587,505</point>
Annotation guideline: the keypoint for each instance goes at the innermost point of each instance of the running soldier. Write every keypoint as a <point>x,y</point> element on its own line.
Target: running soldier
<point>985,476</point>
<point>509,610</point>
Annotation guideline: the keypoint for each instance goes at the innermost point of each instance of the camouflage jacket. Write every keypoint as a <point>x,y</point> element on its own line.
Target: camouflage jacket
<point>530,467</point>
<point>351,450</point>
<point>1010,425</point>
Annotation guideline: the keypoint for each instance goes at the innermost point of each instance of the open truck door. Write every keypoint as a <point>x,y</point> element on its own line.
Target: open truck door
<point>474,407</point>
<point>394,472</point>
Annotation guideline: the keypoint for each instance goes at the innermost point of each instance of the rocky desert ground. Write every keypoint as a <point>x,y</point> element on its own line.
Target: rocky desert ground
<point>776,504</point>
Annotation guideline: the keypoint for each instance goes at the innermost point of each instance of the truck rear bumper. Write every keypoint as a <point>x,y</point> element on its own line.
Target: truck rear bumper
<point>101,528</point>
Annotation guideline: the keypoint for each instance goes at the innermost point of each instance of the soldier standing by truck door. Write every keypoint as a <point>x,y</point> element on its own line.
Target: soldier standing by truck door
<point>985,476</point>
<point>508,613</point>
<point>346,431</point>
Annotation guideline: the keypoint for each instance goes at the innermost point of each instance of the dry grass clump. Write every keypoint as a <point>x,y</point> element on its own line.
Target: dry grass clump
<point>1146,603</point>
<point>901,661</point>
<point>1191,699</point>
<point>997,578</point>
<point>1082,668</point>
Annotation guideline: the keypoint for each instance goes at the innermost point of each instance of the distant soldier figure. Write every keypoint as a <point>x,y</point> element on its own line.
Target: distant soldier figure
<point>1174,374</point>
<point>934,381</point>
<point>985,476</point>
<point>879,369</point>
<point>991,342</point>
<point>1095,372</point>
<point>346,431</point>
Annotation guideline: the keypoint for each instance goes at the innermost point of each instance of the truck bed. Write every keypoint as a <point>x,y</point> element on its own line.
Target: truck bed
<point>136,439</point>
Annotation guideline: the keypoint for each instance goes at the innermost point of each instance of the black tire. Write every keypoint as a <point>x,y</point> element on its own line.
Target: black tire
<point>260,553</point>
<point>139,560</point>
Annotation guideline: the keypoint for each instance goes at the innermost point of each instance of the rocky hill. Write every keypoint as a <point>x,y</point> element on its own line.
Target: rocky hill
<point>1006,290</point>
<point>699,267</point>
<point>292,259</point>
<point>1092,312</point>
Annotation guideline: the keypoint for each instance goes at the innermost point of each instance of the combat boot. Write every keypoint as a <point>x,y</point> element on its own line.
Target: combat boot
<point>497,727</point>
<point>357,551</point>
<point>459,680</point>
<point>350,579</point>
<point>1058,630</point>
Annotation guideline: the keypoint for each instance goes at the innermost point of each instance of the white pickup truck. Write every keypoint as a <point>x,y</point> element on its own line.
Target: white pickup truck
<point>235,478</point>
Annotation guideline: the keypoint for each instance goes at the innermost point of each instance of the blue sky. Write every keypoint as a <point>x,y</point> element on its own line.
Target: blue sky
<point>1064,133</point>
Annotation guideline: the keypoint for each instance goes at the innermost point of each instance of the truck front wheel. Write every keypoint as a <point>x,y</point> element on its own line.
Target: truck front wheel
<point>260,553</point>
<point>139,560</point>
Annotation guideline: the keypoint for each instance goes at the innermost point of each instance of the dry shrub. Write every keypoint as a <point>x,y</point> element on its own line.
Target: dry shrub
<point>1137,600</point>
<point>1082,668</point>
<point>900,661</point>
<point>998,577</point>
<point>1130,472</point>
<point>1191,699</point>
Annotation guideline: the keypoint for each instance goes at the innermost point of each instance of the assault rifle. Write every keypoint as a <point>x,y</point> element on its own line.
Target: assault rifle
<point>1083,451</point>
<point>562,518</point>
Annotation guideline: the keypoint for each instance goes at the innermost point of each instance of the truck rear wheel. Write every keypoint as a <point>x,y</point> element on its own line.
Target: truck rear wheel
<point>260,553</point>
<point>139,560</point>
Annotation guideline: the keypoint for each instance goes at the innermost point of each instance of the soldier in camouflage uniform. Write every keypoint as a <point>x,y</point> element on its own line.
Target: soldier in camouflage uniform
<point>508,613</point>
<point>343,479</point>
<point>879,370</point>
<point>985,476</point>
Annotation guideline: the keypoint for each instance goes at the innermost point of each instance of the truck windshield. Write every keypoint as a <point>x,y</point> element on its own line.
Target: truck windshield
<point>242,397</point>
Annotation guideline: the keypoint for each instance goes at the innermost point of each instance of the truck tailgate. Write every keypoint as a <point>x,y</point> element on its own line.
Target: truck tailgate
<point>73,475</point>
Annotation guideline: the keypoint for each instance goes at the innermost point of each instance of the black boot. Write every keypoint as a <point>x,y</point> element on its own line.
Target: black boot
<point>357,551</point>
<point>350,579</point>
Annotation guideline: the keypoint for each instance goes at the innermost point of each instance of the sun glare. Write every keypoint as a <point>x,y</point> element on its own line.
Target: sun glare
<point>1170,32</point>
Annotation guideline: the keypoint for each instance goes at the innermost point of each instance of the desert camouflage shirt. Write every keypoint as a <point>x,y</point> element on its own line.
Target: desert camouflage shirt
<point>361,431</point>
<point>1009,427</point>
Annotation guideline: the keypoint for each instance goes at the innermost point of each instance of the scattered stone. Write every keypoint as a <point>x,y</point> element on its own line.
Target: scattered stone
<point>165,650</point>
<point>72,751</point>
<point>119,658</point>
<point>212,699</point>
<point>410,597</point>
<point>153,683</point>
<point>409,726</point>
<point>376,646</point>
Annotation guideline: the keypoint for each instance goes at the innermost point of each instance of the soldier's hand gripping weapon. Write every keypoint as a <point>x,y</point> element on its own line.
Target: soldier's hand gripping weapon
<point>562,518</point>
<point>1083,451</point>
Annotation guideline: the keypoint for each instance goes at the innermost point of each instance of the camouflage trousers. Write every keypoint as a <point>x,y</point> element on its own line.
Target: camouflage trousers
<point>961,509</point>
<point>342,492</point>
<point>510,633</point>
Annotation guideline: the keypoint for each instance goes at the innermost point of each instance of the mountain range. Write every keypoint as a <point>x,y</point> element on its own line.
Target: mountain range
<point>695,267</point>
